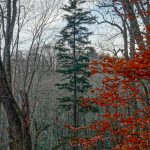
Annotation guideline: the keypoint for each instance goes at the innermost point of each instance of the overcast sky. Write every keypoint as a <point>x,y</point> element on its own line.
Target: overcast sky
<point>54,23</point>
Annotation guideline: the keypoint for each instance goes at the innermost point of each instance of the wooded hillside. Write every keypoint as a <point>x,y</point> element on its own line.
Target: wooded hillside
<point>74,74</point>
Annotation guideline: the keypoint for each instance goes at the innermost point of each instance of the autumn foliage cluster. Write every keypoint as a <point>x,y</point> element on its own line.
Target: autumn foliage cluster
<point>124,101</point>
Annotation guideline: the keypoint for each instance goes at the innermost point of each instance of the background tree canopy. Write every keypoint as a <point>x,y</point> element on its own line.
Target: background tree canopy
<point>74,74</point>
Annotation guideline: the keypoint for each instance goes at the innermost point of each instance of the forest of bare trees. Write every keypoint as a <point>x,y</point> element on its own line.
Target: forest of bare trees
<point>36,42</point>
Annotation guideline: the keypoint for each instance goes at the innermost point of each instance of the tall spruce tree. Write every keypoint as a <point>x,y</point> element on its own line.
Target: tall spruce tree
<point>74,53</point>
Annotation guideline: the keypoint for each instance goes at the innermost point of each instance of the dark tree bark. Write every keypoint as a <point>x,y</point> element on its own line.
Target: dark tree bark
<point>26,121</point>
<point>11,6</point>
<point>128,7</point>
<point>18,120</point>
<point>12,111</point>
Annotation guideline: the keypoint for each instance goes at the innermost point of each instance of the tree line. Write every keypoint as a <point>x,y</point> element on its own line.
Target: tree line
<point>48,94</point>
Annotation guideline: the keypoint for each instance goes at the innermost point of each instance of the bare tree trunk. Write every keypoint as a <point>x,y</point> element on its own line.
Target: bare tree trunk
<point>12,111</point>
<point>132,37</point>
<point>11,18</point>
<point>26,121</point>
<point>134,23</point>
<point>132,40</point>
<point>18,120</point>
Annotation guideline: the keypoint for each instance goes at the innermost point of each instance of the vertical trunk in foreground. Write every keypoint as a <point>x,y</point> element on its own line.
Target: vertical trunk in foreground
<point>12,111</point>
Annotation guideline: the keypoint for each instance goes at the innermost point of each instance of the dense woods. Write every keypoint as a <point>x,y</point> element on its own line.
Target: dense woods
<point>74,74</point>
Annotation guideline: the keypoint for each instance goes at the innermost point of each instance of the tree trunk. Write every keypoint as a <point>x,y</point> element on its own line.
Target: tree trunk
<point>26,121</point>
<point>134,23</point>
<point>10,23</point>
<point>12,111</point>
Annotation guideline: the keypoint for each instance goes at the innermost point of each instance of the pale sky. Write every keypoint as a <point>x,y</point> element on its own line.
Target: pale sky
<point>54,23</point>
